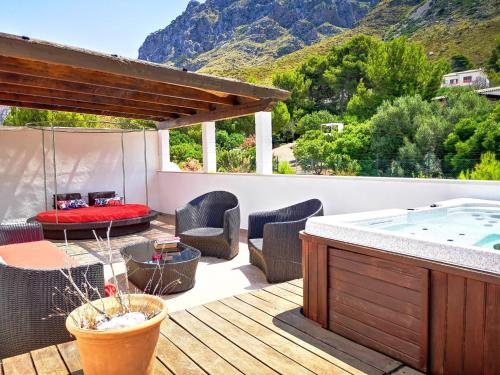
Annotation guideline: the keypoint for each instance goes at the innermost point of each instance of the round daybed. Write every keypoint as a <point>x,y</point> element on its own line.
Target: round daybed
<point>79,223</point>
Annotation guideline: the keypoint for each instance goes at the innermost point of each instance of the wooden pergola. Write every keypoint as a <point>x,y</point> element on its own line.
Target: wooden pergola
<point>42,75</point>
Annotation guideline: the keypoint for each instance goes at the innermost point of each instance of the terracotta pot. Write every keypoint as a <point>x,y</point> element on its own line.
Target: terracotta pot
<point>119,351</point>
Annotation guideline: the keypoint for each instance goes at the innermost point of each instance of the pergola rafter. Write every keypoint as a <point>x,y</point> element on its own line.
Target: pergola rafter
<point>42,75</point>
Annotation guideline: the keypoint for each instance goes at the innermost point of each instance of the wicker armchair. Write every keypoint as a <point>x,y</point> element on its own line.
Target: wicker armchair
<point>18,233</point>
<point>273,239</point>
<point>29,298</point>
<point>211,224</point>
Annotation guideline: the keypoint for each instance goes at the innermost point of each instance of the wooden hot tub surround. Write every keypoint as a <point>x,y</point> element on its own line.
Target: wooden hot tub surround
<point>436,317</point>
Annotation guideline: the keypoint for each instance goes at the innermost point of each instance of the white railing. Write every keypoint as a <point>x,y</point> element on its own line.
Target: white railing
<point>338,194</point>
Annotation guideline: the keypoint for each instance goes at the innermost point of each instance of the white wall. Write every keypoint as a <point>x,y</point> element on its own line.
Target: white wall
<point>338,194</point>
<point>85,162</point>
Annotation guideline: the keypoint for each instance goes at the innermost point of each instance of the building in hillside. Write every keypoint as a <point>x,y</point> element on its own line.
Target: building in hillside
<point>474,77</point>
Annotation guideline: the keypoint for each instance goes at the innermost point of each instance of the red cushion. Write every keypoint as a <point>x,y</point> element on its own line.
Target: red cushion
<point>91,214</point>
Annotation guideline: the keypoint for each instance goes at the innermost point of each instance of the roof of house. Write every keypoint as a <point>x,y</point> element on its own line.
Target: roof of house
<point>43,75</point>
<point>464,72</point>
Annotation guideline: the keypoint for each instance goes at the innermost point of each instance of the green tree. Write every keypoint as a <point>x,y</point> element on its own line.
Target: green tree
<point>311,152</point>
<point>493,62</point>
<point>471,138</point>
<point>313,121</point>
<point>282,120</point>
<point>460,63</point>
<point>299,100</point>
<point>394,69</point>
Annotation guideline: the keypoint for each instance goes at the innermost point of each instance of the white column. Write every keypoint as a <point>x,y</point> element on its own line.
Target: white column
<point>164,143</point>
<point>264,142</point>
<point>209,153</point>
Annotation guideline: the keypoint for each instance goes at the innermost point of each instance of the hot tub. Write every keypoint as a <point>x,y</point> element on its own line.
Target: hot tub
<point>463,232</point>
<point>421,285</point>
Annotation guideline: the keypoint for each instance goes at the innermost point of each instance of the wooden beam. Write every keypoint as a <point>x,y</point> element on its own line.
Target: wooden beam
<point>94,77</point>
<point>15,46</point>
<point>222,114</point>
<point>75,87</point>
<point>83,106</point>
<point>82,97</point>
<point>12,103</point>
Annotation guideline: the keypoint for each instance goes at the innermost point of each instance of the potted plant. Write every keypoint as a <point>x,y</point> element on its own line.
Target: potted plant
<point>118,335</point>
<point>115,335</point>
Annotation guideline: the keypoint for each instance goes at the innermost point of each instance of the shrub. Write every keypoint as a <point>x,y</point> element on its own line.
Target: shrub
<point>487,169</point>
<point>284,167</point>
<point>191,165</point>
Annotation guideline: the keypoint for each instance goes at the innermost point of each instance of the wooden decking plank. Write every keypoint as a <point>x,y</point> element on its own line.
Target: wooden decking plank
<point>48,361</point>
<point>70,355</point>
<point>281,344</point>
<point>293,317</point>
<point>175,360</point>
<point>407,371</point>
<point>160,369</point>
<point>222,346</point>
<point>331,354</point>
<point>285,294</point>
<point>207,359</point>
<point>275,300</point>
<point>19,365</point>
<point>250,344</point>
<point>291,288</point>
<point>297,282</point>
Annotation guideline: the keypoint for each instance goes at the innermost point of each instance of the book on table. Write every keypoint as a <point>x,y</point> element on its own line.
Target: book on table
<point>168,244</point>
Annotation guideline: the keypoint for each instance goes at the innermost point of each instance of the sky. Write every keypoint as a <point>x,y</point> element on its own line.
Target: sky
<point>108,26</point>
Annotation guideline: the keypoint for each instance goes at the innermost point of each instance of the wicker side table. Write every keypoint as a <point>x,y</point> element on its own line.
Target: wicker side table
<point>161,277</point>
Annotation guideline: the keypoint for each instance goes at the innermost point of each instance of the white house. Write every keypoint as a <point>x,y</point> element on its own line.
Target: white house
<point>476,77</point>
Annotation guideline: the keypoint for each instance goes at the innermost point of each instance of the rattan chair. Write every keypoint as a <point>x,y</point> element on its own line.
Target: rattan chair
<point>273,239</point>
<point>20,232</point>
<point>28,302</point>
<point>211,224</point>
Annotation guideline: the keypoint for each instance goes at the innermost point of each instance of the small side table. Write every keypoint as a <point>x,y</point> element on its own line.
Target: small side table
<point>174,275</point>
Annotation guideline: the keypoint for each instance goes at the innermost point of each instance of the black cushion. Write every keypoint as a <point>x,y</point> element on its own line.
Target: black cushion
<point>203,232</point>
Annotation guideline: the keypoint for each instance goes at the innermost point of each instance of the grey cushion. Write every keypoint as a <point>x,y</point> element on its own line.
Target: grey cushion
<point>257,243</point>
<point>203,232</point>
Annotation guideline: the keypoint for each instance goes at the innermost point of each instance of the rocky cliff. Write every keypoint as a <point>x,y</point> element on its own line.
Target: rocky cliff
<point>237,32</point>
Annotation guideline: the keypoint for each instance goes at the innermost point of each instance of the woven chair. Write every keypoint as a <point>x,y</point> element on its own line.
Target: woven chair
<point>273,239</point>
<point>29,298</point>
<point>211,224</point>
<point>20,232</point>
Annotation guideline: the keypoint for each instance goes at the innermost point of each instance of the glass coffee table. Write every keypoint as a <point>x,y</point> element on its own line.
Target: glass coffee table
<point>172,274</point>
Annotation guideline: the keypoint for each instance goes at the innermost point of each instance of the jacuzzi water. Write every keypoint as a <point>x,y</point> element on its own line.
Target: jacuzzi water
<point>463,232</point>
<point>467,225</point>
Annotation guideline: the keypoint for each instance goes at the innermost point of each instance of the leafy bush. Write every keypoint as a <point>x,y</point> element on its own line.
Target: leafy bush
<point>343,165</point>
<point>487,169</point>
<point>184,151</point>
<point>311,152</point>
<point>227,141</point>
<point>191,165</point>
<point>284,167</point>
<point>236,161</point>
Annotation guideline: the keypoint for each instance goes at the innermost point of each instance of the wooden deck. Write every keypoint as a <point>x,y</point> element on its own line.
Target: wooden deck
<point>261,332</point>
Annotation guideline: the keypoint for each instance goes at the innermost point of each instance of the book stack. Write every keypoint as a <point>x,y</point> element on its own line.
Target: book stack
<point>166,249</point>
<point>167,244</point>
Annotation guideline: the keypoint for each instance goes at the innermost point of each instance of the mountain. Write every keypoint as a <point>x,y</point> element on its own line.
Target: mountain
<point>253,39</point>
<point>443,27</point>
<point>247,32</point>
